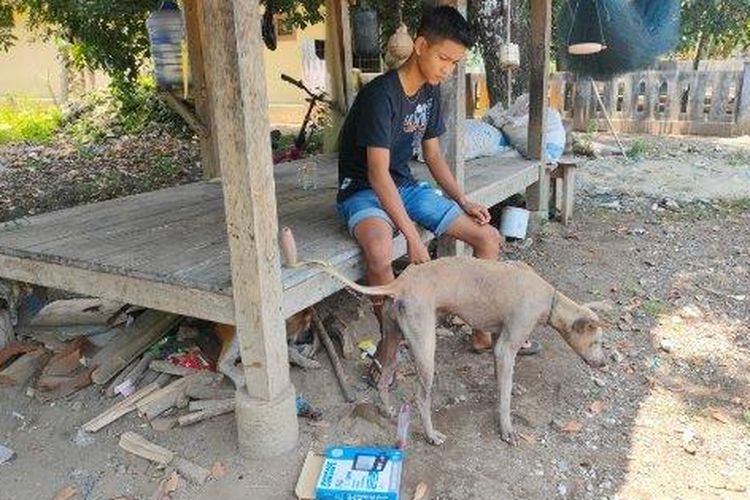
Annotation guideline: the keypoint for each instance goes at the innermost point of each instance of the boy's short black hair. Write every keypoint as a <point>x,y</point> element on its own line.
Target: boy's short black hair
<point>445,23</point>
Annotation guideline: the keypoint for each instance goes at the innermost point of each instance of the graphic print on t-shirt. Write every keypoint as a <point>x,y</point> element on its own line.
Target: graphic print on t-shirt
<point>416,123</point>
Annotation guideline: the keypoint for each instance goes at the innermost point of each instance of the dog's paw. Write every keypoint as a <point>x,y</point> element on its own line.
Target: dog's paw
<point>437,438</point>
<point>509,436</point>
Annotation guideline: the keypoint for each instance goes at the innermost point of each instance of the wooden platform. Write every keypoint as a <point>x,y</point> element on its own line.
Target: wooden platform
<point>168,249</point>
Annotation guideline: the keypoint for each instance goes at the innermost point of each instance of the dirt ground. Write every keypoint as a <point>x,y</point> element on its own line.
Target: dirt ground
<point>669,417</point>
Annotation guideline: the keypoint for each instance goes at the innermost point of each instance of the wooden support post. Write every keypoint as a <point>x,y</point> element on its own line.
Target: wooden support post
<point>340,17</point>
<point>208,138</point>
<point>568,191</point>
<point>538,193</point>
<point>743,110</point>
<point>266,413</point>
<point>453,109</point>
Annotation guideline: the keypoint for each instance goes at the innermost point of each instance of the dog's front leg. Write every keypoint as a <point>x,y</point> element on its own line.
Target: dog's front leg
<point>505,359</point>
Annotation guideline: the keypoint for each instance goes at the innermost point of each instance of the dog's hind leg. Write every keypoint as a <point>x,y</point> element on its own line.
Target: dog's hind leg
<point>389,364</point>
<point>417,322</point>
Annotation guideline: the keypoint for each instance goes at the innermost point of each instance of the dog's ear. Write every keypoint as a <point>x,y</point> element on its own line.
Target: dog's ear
<point>586,325</point>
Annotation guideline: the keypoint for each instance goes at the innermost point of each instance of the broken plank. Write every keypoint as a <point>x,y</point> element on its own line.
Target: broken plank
<point>175,394</point>
<point>122,408</point>
<point>15,349</point>
<point>148,328</point>
<point>206,404</point>
<point>24,368</point>
<point>133,373</point>
<point>77,312</point>
<point>198,416</point>
<point>138,445</point>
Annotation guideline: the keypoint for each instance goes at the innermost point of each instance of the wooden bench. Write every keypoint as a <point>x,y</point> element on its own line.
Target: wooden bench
<point>168,249</point>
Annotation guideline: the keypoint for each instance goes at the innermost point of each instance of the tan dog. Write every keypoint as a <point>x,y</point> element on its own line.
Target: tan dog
<point>506,298</point>
<point>296,326</point>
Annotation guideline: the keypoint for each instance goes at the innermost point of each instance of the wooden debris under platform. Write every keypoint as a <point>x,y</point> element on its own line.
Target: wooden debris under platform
<point>138,445</point>
<point>23,369</point>
<point>148,328</point>
<point>89,311</point>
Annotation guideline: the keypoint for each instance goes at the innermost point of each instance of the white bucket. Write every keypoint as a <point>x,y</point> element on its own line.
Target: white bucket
<point>513,222</point>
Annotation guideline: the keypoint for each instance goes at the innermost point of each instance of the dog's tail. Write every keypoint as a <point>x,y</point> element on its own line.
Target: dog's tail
<point>365,290</point>
<point>289,256</point>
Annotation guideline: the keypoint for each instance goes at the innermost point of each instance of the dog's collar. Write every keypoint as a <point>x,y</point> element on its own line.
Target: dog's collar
<point>552,305</point>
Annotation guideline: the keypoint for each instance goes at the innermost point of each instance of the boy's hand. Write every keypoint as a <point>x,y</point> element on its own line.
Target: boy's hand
<point>476,211</point>
<point>417,251</point>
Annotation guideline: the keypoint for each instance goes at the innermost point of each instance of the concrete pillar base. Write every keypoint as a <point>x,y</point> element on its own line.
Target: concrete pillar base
<point>266,428</point>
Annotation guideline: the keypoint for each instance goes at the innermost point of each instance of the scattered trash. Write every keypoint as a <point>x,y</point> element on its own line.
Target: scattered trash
<point>6,454</point>
<point>308,477</point>
<point>82,438</point>
<point>368,348</point>
<point>305,410</point>
<point>420,492</point>
<point>364,473</point>
<point>167,486</point>
<point>402,429</point>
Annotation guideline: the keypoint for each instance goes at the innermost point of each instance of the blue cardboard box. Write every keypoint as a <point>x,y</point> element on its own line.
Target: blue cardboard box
<point>360,474</point>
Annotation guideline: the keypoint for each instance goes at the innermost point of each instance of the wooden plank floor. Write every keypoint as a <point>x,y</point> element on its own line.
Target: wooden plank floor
<point>168,249</point>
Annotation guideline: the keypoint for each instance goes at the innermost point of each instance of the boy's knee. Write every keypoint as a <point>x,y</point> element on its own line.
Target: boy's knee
<point>379,258</point>
<point>490,242</point>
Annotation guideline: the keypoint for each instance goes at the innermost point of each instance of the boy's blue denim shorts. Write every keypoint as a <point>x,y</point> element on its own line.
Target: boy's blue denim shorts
<point>424,204</point>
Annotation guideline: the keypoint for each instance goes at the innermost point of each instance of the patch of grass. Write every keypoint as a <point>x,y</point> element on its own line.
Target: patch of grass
<point>631,288</point>
<point>746,418</point>
<point>736,205</point>
<point>637,149</point>
<point>162,173</point>
<point>654,307</point>
<point>738,159</point>
<point>24,120</point>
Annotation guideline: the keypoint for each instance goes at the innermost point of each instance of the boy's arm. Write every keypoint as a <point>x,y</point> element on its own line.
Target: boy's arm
<point>444,177</point>
<point>378,164</point>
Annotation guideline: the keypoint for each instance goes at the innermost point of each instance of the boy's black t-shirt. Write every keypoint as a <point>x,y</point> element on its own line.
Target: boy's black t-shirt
<point>383,116</point>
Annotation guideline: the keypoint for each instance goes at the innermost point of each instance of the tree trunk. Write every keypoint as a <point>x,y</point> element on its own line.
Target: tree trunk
<point>704,47</point>
<point>484,17</point>
<point>485,20</point>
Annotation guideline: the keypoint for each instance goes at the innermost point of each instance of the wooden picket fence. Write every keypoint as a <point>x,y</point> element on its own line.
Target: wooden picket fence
<point>714,100</point>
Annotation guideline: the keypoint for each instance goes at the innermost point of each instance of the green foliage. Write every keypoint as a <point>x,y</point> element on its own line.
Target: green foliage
<point>117,111</point>
<point>110,36</point>
<point>654,307</point>
<point>23,120</point>
<point>720,26</point>
<point>298,13</point>
<point>637,149</point>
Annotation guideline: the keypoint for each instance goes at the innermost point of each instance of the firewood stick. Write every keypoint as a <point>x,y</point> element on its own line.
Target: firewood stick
<point>120,378</point>
<point>122,408</point>
<point>138,445</point>
<point>335,361</point>
<point>220,409</point>
<point>205,404</point>
<point>147,329</point>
